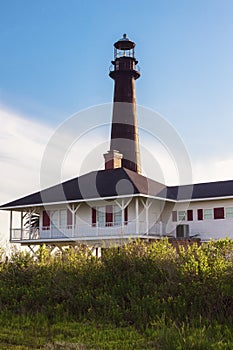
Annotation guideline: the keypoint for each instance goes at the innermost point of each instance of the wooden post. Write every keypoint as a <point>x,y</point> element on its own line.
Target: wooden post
<point>11,225</point>
<point>30,221</point>
<point>73,217</point>
<point>21,225</point>
<point>73,211</point>
<point>137,215</point>
<point>147,220</point>
<point>40,223</point>
<point>122,216</point>
<point>147,206</point>
<point>122,206</point>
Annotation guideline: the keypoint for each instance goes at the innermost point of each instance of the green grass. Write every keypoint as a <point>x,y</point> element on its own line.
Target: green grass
<point>35,333</point>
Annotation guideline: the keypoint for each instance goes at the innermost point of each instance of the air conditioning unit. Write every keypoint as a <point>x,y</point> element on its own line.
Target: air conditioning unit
<point>182,231</point>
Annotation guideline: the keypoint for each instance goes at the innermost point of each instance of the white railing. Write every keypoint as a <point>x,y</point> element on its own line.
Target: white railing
<point>18,234</point>
<point>110,230</point>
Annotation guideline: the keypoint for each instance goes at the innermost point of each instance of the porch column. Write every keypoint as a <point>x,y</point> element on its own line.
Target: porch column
<point>11,225</point>
<point>73,223</point>
<point>97,228</point>
<point>30,222</point>
<point>40,223</point>
<point>137,215</point>
<point>147,206</point>
<point>21,225</point>
<point>73,212</point>
<point>160,228</point>
<point>147,220</point>
<point>122,216</point>
<point>73,217</point>
<point>122,207</point>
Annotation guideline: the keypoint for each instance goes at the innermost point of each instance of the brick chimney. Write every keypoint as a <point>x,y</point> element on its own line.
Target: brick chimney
<point>113,160</point>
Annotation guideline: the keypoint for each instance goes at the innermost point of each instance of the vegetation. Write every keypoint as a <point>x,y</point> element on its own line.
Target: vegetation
<point>140,296</point>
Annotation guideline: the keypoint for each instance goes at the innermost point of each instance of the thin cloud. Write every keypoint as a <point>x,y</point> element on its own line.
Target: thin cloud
<point>22,142</point>
<point>212,170</point>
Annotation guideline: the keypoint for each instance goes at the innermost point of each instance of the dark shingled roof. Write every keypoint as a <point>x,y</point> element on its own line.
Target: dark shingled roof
<point>94,185</point>
<point>210,189</point>
<point>120,182</point>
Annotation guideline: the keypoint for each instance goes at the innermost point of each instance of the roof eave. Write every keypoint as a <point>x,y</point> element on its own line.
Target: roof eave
<point>86,200</point>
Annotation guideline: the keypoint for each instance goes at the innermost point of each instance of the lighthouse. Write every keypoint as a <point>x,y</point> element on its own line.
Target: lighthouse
<point>124,144</point>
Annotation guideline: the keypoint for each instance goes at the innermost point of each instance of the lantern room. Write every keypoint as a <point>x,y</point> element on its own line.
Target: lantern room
<point>124,59</point>
<point>124,47</point>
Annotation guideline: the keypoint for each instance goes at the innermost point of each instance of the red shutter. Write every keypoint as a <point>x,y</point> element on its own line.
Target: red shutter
<point>219,213</point>
<point>108,215</point>
<point>93,216</point>
<point>190,215</point>
<point>46,220</point>
<point>126,215</point>
<point>200,214</point>
<point>69,218</point>
<point>174,215</point>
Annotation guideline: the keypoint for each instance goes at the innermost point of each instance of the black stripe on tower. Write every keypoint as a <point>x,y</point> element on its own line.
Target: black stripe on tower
<point>123,131</point>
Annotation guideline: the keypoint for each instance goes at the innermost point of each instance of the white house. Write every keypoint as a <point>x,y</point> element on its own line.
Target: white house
<point>120,204</point>
<point>116,204</point>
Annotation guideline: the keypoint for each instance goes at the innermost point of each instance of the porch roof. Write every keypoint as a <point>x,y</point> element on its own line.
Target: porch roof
<point>94,185</point>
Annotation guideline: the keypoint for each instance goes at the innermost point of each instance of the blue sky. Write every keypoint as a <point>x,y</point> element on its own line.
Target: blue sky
<point>55,57</point>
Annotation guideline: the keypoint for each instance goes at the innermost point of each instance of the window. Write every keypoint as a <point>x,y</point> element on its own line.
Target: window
<point>100,216</point>
<point>108,215</point>
<point>229,212</point>
<point>126,215</point>
<point>58,218</point>
<point>182,215</point>
<point>46,220</point>
<point>174,216</point>
<point>62,218</point>
<point>54,217</point>
<point>190,215</point>
<point>93,216</point>
<point>117,216</point>
<point>219,213</point>
<point>208,214</point>
<point>199,214</point>
<point>69,219</point>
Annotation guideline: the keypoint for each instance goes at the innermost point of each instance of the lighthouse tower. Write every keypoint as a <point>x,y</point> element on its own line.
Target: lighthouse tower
<point>124,145</point>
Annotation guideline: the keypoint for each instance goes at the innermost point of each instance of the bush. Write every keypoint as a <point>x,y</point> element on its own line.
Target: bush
<point>132,285</point>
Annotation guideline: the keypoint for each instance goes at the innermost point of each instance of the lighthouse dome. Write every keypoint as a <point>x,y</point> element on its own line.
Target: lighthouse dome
<point>124,43</point>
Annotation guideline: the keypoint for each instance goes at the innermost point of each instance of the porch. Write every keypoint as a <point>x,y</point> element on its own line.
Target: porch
<point>110,220</point>
<point>86,232</point>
